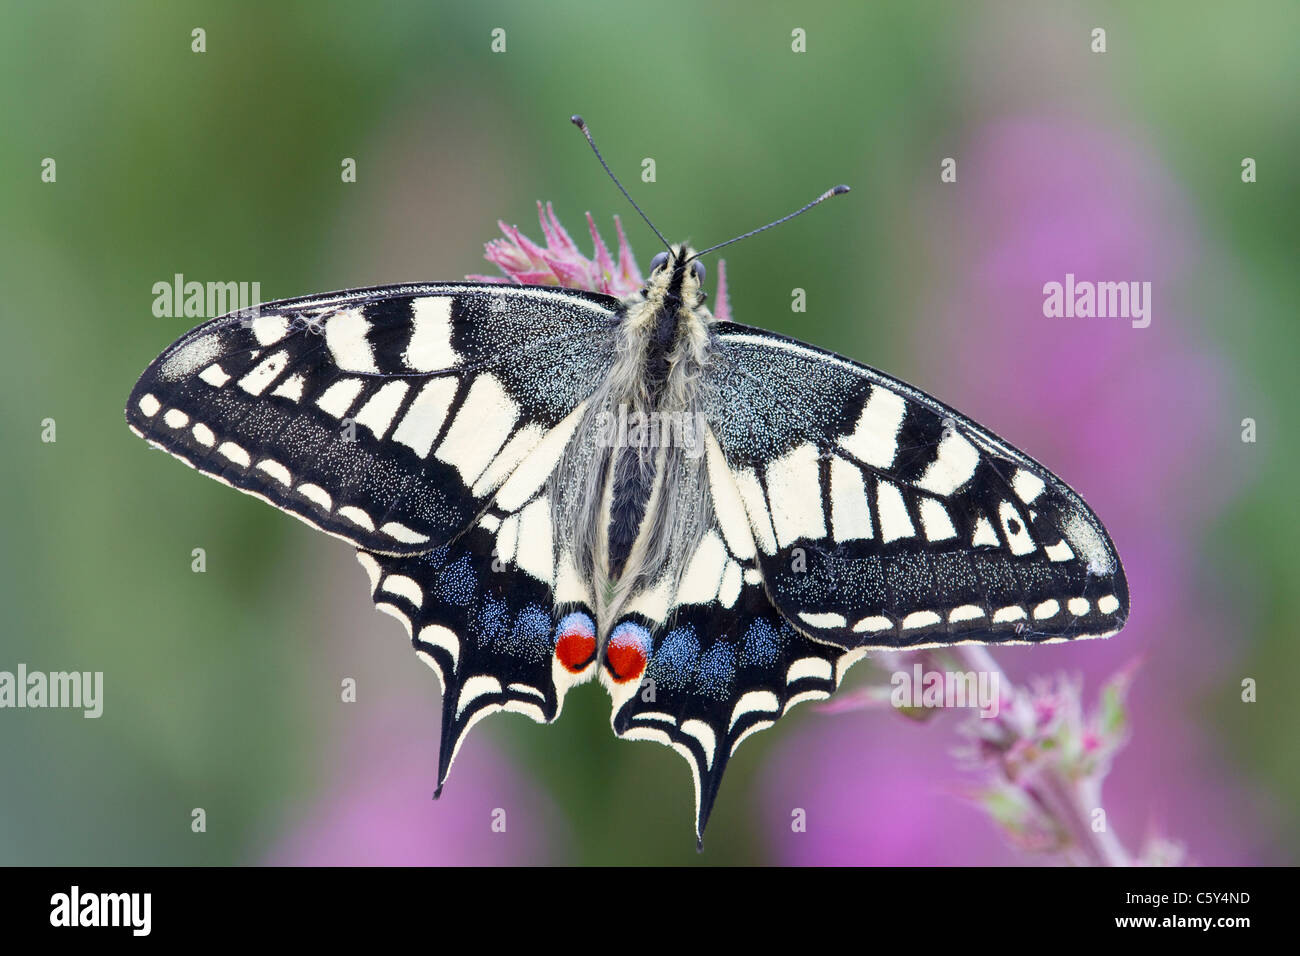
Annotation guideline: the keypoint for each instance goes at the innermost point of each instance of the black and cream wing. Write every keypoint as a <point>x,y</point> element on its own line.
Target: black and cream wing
<point>499,614</point>
<point>383,416</point>
<point>883,518</point>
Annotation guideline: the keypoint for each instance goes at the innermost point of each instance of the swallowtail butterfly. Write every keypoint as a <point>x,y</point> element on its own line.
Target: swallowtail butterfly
<point>779,512</point>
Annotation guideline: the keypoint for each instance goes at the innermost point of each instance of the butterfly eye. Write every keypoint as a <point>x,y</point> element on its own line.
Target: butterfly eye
<point>698,268</point>
<point>658,261</point>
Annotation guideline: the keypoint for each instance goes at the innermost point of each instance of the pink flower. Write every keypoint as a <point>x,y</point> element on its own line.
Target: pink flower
<point>561,263</point>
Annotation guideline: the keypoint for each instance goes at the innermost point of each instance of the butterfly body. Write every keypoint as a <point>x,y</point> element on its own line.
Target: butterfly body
<point>784,511</point>
<point>631,515</point>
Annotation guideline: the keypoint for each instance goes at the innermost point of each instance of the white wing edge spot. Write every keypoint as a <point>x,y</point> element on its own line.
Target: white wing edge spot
<point>754,701</point>
<point>436,635</point>
<point>356,516</point>
<point>1049,608</point>
<point>751,729</point>
<point>658,717</point>
<point>814,694</point>
<point>809,667</point>
<point>920,619</point>
<point>235,453</point>
<point>827,619</point>
<point>477,686</point>
<point>872,624</point>
<point>316,495</point>
<point>400,532</point>
<point>705,735</point>
<point>276,471</point>
<point>371,567</point>
<point>1086,540</point>
<point>403,586</point>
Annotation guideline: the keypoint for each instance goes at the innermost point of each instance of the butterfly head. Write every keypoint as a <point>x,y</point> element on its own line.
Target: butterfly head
<point>676,277</point>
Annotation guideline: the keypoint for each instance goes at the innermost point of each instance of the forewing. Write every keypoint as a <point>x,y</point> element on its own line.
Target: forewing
<point>883,518</point>
<point>386,416</point>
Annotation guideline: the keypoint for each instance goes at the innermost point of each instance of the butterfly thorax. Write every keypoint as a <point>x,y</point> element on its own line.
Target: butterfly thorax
<point>631,480</point>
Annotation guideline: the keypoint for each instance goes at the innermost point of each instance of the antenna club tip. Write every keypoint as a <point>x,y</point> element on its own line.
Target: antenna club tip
<point>578,121</point>
<point>839,190</point>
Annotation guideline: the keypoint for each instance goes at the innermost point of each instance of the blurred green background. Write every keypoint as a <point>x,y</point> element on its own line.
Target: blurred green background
<point>222,688</point>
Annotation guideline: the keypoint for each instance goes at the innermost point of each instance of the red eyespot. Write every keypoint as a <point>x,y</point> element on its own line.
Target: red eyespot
<point>626,656</point>
<point>575,642</point>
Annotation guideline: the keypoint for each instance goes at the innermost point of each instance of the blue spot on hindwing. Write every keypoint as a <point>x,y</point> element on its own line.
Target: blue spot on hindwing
<point>458,582</point>
<point>493,621</point>
<point>532,633</point>
<point>673,663</point>
<point>716,670</point>
<point>762,644</point>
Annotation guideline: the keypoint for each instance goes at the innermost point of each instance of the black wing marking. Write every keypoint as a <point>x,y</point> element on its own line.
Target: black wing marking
<point>383,416</point>
<point>883,518</point>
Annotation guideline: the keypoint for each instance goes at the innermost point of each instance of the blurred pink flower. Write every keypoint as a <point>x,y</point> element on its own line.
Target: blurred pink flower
<point>379,810</point>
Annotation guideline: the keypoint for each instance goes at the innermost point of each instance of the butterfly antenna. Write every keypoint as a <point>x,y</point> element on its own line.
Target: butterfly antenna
<point>579,122</point>
<point>837,191</point>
